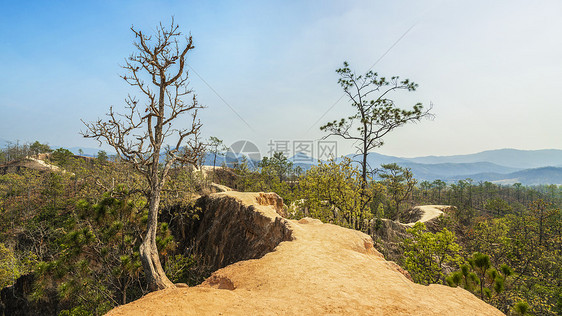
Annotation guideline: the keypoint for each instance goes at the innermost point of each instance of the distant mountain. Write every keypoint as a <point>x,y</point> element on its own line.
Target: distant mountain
<point>89,152</point>
<point>501,166</point>
<point>443,171</point>
<point>535,176</point>
<point>375,159</point>
<point>504,166</point>
<point>514,158</point>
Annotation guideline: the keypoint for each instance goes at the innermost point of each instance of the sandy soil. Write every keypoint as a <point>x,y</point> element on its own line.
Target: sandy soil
<point>325,270</point>
<point>429,212</point>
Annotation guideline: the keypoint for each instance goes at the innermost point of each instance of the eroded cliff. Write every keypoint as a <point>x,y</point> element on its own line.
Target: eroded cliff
<point>299,268</point>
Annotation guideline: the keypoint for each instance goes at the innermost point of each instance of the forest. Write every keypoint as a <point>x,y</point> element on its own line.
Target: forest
<point>81,235</point>
<point>78,231</point>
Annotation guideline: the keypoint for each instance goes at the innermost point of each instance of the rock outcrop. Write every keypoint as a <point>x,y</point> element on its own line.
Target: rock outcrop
<point>297,268</point>
<point>27,163</point>
<point>233,227</point>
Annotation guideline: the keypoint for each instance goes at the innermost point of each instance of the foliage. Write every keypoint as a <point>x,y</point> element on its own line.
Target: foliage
<point>273,174</point>
<point>102,156</point>
<point>399,184</point>
<point>61,156</point>
<point>12,266</point>
<point>84,226</point>
<point>374,117</point>
<point>426,254</point>
<point>16,151</point>
<point>482,278</point>
<point>521,308</point>
<point>158,70</point>
<point>37,148</point>
<point>498,206</point>
<point>215,146</point>
<point>277,165</point>
<point>333,192</point>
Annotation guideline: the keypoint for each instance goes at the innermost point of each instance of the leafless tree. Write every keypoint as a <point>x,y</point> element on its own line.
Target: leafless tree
<point>148,136</point>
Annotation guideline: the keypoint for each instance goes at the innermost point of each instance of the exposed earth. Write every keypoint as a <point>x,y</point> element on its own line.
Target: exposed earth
<point>320,269</point>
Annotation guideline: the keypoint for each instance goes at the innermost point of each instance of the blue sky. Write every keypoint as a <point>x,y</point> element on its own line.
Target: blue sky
<point>491,69</point>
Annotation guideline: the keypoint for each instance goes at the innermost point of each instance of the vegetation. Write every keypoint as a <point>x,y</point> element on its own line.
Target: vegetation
<point>503,243</point>
<point>518,228</point>
<point>139,137</point>
<point>80,233</point>
<point>374,117</point>
<point>333,192</point>
<point>427,254</point>
<point>86,230</point>
<point>16,151</point>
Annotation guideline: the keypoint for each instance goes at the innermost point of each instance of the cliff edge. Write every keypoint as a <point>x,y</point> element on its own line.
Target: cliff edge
<point>309,268</point>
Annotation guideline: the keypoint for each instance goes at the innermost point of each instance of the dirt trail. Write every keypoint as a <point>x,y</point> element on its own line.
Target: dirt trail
<point>325,270</point>
<point>429,212</point>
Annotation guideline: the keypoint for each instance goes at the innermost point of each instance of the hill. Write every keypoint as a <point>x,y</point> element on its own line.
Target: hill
<point>513,158</point>
<point>535,176</point>
<point>503,166</point>
<point>449,170</point>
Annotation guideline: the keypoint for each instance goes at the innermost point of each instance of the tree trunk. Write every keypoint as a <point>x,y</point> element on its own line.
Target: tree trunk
<point>155,276</point>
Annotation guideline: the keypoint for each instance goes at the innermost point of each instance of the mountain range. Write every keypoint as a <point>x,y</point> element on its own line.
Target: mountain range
<point>502,166</point>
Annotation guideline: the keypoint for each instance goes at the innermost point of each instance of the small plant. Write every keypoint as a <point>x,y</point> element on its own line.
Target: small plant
<point>480,272</point>
<point>521,308</point>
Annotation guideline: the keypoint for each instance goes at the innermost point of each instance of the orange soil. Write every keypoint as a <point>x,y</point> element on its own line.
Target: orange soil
<point>325,270</point>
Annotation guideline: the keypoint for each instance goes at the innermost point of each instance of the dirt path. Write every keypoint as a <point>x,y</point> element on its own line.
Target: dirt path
<point>429,212</point>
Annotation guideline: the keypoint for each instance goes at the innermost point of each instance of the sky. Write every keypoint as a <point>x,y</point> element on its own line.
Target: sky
<point>491,69</point>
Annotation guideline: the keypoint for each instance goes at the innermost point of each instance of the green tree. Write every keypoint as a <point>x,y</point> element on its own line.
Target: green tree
<point>521,308</point>
<point>426,254</point>
<point>439,185</point>
<point>332,192</point>
<point>399,183</point>
<point>376,114</point>
<point>541,211</point>
<point>37,148</point>
<point>12,267</point>
<point>62,156</point>
<point>102,157</point>
<point>489,279</point>
<point>425,186</point>
<point>465,277</point>
<point>99,259</point>
<point>278,164</point>
<point>498,206</point>
<point>157,69</point>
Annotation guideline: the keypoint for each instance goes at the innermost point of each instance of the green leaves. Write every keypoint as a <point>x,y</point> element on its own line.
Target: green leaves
<point>426,254</point>
<point>333,192</point>
<point>12,266</point>
<point>489,279</point>
<point>521,308</point>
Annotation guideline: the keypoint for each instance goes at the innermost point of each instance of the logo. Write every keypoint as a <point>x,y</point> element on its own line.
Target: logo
<point>243,151</point>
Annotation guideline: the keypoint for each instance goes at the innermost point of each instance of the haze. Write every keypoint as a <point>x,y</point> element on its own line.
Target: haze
<point>491,69</point>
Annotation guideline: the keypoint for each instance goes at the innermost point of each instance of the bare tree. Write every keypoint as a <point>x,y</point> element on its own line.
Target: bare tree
<point>142,136</point>
<point>374,117</point>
